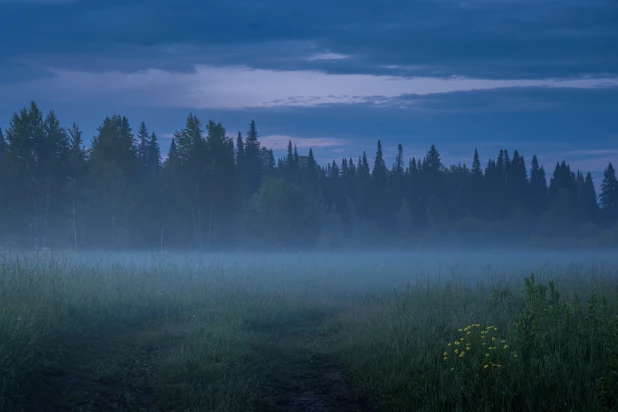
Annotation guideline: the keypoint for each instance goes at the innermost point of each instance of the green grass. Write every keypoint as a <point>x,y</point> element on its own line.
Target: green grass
<point>230,333</point>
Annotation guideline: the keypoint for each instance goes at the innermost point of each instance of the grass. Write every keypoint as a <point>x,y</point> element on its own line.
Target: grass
<point>178,332</point>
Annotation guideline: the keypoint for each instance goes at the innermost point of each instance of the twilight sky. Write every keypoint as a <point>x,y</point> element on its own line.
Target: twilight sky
<point>540,76</point>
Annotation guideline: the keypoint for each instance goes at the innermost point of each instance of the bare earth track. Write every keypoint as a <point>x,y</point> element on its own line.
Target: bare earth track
<point>119,372</point>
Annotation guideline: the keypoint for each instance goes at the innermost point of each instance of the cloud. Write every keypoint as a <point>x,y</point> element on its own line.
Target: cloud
<point>478,38</point>
<point>328,56</point>
<point>43,2</point>
<point>209,87</point>
<point>278,142</point>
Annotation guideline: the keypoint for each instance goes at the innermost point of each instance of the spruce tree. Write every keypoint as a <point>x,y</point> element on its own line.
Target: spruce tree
<point>253,161</point>
<point>538,188</point>
<point>240,151</point>
<point>476,165</point>
<point>76,189</point>
<point>609,194</point>
<point>379,172</point>
<point>588,202</point>
<point>433,163</point>
<point>398,167</point>
<point>142,146</point>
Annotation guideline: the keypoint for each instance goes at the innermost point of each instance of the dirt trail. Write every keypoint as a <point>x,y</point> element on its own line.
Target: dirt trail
<point>298,378</point>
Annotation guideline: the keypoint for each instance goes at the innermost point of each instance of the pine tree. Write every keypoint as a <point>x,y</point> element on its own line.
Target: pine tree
<point>398,168</point>
<point>253,171</point>
<point>609,194</point>
<point>538,188</point>
<point>175,226</point>
<point>114,171</point>
<point>78,168</point>
<point>517,181</point>
<point>221,184</point>
<point>142,148</point>
<point>379,173</point>
<point>433,163</point>
<point>476,165</point>
<point>153,157</point>
<point>240,152</point>
<point>589,208</point>
<point>268,161</point>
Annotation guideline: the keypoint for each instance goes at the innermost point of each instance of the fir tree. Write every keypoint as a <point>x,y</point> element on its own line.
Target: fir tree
<point>379,172</point>
<point>253,161</point>
<point>476,165</point>
<point>609,193</point>
<point>433,163</point>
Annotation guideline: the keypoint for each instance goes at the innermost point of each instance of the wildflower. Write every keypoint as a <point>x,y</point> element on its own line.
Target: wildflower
<point>461,355</point>
<point>460,329</point>
<point>457,343</point>
<point>449,345</point>
<point>468,348</point>
<point>461,339</point>
<point>506,347</point>
<point>445,354</point>
<point>487,355</point>
<point>452,369</point>
<point>486,366</point>
<point>514,355</point>
<point>456,351</point>
<point>446,358</point>
<point>469,333</point>
<point>503,341</point>
<point>493,339</point>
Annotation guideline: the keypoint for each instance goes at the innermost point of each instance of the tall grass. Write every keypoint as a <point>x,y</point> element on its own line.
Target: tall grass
<point>209,322</point>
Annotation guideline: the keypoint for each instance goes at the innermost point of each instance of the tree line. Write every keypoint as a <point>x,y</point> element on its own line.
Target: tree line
<point>213,192</point>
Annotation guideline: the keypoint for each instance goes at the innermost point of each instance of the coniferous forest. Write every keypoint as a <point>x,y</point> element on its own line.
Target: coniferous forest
<point>211,192</point>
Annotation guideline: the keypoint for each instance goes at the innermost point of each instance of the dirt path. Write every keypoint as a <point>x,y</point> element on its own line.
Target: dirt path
<point>297,377</point>
<point>118,371</point>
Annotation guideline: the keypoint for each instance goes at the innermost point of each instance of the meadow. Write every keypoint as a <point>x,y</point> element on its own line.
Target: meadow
<point>429,331</point>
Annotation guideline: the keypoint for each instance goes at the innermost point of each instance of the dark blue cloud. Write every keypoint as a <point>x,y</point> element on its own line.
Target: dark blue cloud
<point>479,38</point>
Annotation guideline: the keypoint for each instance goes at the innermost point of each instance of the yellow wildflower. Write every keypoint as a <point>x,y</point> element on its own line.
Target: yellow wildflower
<point>506,347</point>
<point>486,366</point>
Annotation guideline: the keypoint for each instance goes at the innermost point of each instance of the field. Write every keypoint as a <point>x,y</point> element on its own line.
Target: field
<point>308,332</point>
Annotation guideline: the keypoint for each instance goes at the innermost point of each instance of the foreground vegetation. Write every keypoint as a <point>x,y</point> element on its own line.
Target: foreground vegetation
<point>176,333</point>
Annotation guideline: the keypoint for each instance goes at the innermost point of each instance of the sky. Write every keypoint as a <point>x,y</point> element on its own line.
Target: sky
<point>537,76</point>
